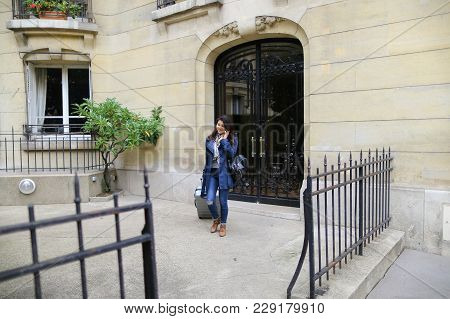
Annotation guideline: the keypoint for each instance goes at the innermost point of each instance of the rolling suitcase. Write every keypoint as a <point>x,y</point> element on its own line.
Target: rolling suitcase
<point>202,207</point>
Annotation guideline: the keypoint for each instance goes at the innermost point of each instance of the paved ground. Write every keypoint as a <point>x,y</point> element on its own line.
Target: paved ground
<point>256,260</point>
<point>415,275</point>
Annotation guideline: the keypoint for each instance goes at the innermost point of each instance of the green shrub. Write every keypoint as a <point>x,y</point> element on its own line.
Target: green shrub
<point>68,7</point>
<point>117,129</point>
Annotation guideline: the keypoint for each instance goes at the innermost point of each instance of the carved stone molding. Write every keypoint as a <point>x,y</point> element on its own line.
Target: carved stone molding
<point>263,22</point>
<point>28,33</point>
<point>229,29</point>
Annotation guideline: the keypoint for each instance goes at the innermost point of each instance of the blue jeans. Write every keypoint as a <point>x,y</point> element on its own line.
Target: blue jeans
<point>211,197</point>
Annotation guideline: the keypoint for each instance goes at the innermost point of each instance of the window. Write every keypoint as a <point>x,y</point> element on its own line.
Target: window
<point>164,3</point>
<point>52,93</point>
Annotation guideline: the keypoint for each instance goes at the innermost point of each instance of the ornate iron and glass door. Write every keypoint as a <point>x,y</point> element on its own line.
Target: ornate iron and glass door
<point>260,85</point>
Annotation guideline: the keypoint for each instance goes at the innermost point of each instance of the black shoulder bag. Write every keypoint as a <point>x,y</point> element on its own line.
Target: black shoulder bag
<point>238,166</point>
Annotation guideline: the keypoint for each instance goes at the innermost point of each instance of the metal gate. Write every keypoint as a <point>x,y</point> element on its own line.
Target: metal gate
<point>260,86</point>
<point>146,239</point>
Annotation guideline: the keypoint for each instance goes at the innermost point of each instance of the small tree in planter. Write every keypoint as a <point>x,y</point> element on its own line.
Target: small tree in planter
<point>117,129</point>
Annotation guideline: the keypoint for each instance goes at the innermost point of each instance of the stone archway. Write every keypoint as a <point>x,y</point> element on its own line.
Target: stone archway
<point>235,34</point>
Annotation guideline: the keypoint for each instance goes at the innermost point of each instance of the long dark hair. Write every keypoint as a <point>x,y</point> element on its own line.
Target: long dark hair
<point>227,124</point>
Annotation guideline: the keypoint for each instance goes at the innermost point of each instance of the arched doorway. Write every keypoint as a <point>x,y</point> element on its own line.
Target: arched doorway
<point>260,85</point>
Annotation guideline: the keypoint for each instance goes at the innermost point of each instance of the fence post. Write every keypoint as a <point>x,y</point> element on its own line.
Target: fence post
<point>70,152</point>
<point>34,252</point>
<point>148,248</point>
<point>13,151</point>
<point>77,202</point>
<point>389,186</point>
<point>360,206</point>
<point>307,202</point>
<point>302,255</point>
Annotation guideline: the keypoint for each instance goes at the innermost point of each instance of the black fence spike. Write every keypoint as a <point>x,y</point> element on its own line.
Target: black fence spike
<point>77,188</point>
<point>309,166</point>
<point>146,185</point>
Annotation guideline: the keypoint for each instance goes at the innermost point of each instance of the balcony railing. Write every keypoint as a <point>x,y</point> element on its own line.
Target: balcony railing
<point>164,3</point>
<point>49,148</point>
<point>53,125</point>
<point>20,10</point>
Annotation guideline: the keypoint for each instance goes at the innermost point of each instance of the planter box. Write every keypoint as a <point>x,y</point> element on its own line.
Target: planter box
<point>53,15</point>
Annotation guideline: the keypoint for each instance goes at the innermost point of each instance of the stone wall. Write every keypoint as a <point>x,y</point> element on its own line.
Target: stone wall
<point>54,188</point>
<point>12,79</point>
<point>377,73</point>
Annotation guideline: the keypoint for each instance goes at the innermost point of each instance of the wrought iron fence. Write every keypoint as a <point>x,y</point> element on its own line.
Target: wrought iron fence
<point>49,148</point>
<point>347,208</point>
<point>164,3</point>
<point>21,12</point>
<point>146,239</point>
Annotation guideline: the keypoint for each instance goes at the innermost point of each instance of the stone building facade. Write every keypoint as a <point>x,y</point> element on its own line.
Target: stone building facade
<point>376,73</point>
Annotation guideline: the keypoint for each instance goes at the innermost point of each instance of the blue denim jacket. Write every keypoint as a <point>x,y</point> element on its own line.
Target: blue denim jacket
<point>226,151</point>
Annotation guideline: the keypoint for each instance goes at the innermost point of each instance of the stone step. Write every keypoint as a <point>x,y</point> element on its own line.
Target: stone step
<point>361,273</point>
<point>356,278</point>
<point>104,198</point>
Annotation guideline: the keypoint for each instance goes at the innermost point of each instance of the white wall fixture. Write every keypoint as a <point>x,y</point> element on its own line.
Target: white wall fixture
<point>446,228</point>
<point>27,186</point>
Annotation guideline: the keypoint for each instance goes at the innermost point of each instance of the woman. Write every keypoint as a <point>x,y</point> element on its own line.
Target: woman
<point>221,146</point>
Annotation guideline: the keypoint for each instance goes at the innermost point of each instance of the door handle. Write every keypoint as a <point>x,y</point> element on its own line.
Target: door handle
<point>253,147</point>
<point>262,148</point>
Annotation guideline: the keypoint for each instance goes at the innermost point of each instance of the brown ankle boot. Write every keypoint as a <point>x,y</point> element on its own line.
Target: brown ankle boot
<point>223,230</point>
<point>215,225</point>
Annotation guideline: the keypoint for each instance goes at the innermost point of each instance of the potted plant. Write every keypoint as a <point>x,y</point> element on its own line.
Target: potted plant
<point>53,9</point>
<point>117,129</point>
